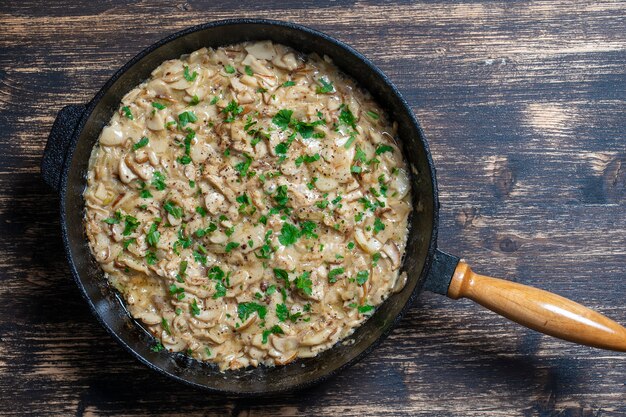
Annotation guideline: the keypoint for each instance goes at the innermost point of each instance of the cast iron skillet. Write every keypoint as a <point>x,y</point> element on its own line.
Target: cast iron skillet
<point>64,167</point>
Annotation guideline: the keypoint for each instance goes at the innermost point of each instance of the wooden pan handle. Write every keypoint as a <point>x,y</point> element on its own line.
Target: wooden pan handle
<point>539,310</point>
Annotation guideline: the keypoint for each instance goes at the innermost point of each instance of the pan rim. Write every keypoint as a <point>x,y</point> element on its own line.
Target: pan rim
<point>252,21</point>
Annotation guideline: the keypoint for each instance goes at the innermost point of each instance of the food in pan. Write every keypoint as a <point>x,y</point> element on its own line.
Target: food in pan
<point>250,204</point>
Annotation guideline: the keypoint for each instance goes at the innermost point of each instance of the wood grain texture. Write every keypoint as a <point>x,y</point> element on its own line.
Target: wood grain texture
<point>524,107</point>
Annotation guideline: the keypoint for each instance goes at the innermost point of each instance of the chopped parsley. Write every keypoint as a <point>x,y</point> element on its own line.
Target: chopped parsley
<point>186,117</point>
<point>360,155</point>
<point>186,159</point>
<point>151,258</point>
<point>289,234</point>
<point>230,246</point>
<point>306,129</point>
<point>383,148</point>
<point>214,100</point>
<point>153,235</point>
<point>209,229</point>
<point>288,83</point>
<point>158,106</point>
<point>282,312</point>
<point>366,309</point>
<point>303,282</point>
<point>216,273</point>
<point>246,206</point>
<point>346,117</point>
<point>201,211</point>
<point>322,204</point>
<point>166,326</point>
<point>130,225</point>
<point>361,277</point>
<point>182,271</point>
<point>179,292</point>
<point>273,330</point>
<point>248,70</point>
<point>220,290</point>
<point>243,167</point>
<point>231,110</point>
<point>194,100</point>
<point>200,257</point>
<point>373,115</point>
<point>142,142</point>
<point>173,209</point>
<point>115,219</point>
<point>332,275</point>
<point>195,310</point>
<point>245,310</point>
<point>350,140</point>
<point>127,112</point>
<point>282,118</point>
<point>307,159</point>
<point>157,347</point>
<point>229,69</point>
<point>283,275</point>
<point>281,197</point>
<point>326,87</point>
<point>307,229</point>
<point>379,226</point>
<point>189,77</point>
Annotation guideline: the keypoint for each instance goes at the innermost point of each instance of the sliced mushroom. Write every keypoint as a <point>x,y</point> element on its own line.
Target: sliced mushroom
<point>125,173</point>
<point>370,246</point>
<point>112,135</point>
<point>156,122</point>
<point>394,254</point>
<point>247,323</point>
<point>262,50</point>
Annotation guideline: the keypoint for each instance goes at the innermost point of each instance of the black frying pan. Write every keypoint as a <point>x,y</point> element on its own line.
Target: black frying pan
<point>64,166</point>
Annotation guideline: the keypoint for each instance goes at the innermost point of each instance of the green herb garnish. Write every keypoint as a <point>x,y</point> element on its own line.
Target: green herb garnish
<point>332,275</point>
<point>142,142</point>
<point>361,277</point>
<point>245,310</point>
<point>153,235</point>
<point>282,118</point>
<point>304,283</point>
<point>186,117</point>
<point>365,309</point>
<point>173,209</point>
<point>326,87</point>
<point>383,148</point>
<point>234,109</point>
<point>195,310</point>
<point>127,112</point>
<point>289,234</point>
<point>230,246</point>
<point>372,114</point>
<point>378,226</point>
<point>273,330</point>
<point>166,326</point>
<point>189,77</point>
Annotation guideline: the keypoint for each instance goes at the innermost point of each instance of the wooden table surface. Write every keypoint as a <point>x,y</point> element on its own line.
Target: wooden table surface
<point>524,105</point>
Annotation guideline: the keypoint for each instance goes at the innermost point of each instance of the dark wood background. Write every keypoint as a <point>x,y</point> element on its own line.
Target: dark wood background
<point>524,104</point>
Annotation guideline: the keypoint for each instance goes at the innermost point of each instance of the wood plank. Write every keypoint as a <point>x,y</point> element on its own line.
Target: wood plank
<point>523,104</point>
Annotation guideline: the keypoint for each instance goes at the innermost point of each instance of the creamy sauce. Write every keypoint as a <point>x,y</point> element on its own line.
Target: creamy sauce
<point>250,204</point>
